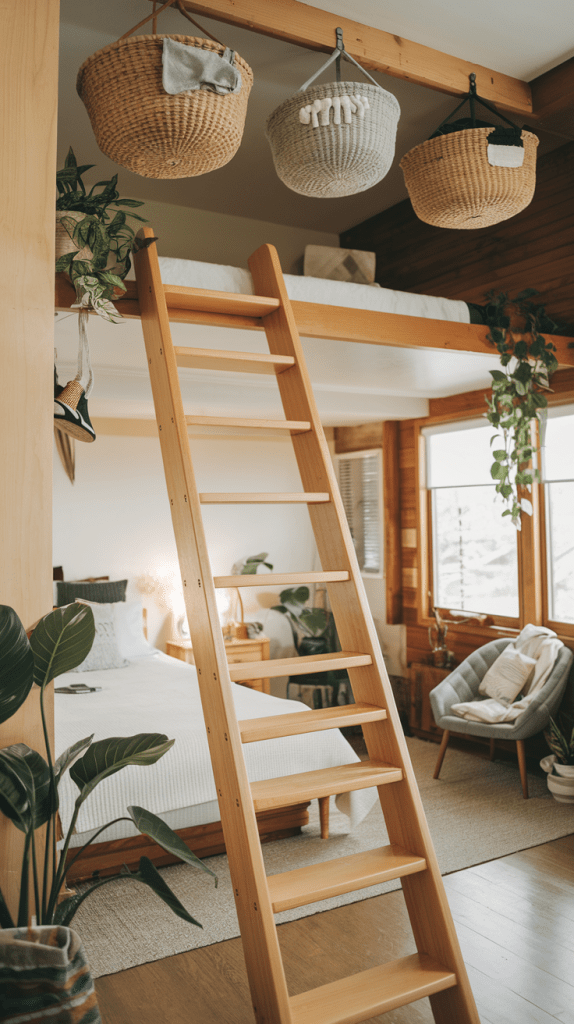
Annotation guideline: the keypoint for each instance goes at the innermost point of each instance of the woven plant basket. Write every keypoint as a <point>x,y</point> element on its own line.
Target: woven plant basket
<point>334,160</point>
<point>140,126</point>
<point>452,185</point>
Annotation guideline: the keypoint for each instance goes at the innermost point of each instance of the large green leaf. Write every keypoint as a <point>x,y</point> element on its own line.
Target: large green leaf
<point>61,641</point>
<point>150,825</point>
<point>70,756</point>
<point>32,772</point>
<point>5,915</point>
<point>16,663</point>
<point>14,802</point>
<point>149,875</point>
<point>106,757</point>
<point>315,619</point>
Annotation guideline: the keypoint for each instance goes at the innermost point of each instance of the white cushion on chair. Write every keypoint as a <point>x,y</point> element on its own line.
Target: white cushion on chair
<point>507,676</point>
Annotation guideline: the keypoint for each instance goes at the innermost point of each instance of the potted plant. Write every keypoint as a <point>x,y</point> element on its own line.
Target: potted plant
<point>37,943</point>
<point>93,239</point>
<point>313,632</point>
<point>560,763</point>
<point>248,567</point>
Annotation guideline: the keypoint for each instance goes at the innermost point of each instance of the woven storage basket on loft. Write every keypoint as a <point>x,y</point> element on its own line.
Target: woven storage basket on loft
<point>142,127</point>
<point>467,179</point>
<point>336,139</point>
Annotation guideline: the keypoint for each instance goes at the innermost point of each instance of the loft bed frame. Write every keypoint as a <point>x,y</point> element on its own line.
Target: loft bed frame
<point>314,320</point>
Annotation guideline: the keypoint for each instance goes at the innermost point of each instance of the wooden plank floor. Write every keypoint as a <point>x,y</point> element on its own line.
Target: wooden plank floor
<point>515,921</point>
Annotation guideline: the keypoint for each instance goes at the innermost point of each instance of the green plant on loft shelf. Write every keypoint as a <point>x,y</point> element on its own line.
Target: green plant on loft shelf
<point>94,242</point>
<point>518,401</point>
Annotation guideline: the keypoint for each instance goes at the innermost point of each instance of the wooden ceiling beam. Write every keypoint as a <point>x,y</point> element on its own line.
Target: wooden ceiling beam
<point>376,50</point>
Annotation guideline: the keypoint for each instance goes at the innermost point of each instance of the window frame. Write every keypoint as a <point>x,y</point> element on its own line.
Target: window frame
<point>378,454</point>
<point>427,548</point>
<point>565,629</point>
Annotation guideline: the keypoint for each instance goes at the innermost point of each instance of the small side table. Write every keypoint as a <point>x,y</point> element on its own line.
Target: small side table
<point>423,679</point>
<point>237,651</point>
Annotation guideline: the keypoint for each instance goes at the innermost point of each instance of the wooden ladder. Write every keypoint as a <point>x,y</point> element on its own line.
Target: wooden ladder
<point>437,969</point>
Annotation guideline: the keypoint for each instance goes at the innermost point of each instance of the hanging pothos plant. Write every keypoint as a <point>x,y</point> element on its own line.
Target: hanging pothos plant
<point>101,240</point>
<point>518,398</point>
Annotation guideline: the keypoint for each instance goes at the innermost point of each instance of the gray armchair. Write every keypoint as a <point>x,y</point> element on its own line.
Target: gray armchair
<point>462,685</point>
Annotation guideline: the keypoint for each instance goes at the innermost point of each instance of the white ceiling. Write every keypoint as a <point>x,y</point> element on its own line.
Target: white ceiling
<point>353,383</point>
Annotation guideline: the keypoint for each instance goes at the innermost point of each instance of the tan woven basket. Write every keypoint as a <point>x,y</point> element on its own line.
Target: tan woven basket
<point>140,126</point>
<point>334,159</point>
<point>452,185</point>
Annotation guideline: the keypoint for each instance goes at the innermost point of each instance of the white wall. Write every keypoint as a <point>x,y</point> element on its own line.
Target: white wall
<point>115,519</point>
<point>190,234</point>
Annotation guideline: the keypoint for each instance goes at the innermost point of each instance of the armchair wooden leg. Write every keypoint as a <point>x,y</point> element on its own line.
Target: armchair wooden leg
<point>522,765</point>
<point>492,748</point>
<point>324,816</point>
<point>441,753</point>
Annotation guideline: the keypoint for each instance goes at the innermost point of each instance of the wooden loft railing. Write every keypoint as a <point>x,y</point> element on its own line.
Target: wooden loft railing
<point>314,320</point>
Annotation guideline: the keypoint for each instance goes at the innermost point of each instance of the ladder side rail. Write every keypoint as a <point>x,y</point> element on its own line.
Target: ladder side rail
<point>402,807</point>
<point>261,947</point>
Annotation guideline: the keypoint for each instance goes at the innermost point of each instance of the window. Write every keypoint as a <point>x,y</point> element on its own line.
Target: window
<point>474,559</point>
<point>360,485</point>
<point>558,476</point>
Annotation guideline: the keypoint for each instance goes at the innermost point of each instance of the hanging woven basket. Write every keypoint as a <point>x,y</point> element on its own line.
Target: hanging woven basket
<point>336,139</point>
<point>142,127</point>
<point>474,177</point>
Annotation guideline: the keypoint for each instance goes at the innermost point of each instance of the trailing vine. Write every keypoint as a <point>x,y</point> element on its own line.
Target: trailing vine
<point>518,400</point>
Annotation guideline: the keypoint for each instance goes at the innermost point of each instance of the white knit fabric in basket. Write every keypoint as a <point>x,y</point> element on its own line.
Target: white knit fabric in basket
<point>334,159</point>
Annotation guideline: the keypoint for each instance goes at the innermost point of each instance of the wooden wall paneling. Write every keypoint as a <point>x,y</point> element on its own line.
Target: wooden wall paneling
<point>376,50</point>
<point>553,98</point>
<point>392,523</point>
<point>358,438</point>
<point>533,249</point>
<point>29,73</point>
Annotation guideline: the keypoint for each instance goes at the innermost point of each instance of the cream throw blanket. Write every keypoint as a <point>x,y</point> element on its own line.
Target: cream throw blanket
<point>535,642</point>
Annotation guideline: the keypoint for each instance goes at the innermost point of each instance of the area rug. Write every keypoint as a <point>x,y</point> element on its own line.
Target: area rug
<point>475,812</point>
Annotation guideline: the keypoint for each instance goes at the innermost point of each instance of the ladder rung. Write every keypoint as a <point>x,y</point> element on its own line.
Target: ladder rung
<point>370,993</point>
<point>302,497</point>
<point>346,874</point>
<point>207,301</point>
<point>297,666</point>
<point>232,362</point>
<point>342,778</point>
<point>295,426</point>
<point>281,579</point>
<point>253,729</point>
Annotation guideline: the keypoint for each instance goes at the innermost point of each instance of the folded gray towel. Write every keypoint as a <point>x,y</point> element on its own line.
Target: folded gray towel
<point>187,68</point>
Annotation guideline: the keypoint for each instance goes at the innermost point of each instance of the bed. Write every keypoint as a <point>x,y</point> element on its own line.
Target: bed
<point>154,693</point>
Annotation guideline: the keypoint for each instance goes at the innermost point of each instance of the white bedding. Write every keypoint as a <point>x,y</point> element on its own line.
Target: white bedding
<point>216,277</point>
<point>161,694</point>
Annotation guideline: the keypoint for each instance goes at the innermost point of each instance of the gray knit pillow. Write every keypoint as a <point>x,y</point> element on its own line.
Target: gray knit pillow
<point>105,652</point>
<point>105,592</point>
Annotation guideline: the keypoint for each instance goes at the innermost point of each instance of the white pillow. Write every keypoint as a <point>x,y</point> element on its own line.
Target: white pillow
<point>128,617</point>
<point>105,652</point>
<point>507,676</point>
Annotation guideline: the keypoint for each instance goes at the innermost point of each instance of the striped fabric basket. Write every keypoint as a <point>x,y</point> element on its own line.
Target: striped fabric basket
<point>45,977</point>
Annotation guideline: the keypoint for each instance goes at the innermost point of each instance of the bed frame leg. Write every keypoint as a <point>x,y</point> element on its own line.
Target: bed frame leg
<point>324,816</point>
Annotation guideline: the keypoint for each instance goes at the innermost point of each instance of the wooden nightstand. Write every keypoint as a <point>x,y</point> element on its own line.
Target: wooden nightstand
<point>423,679</point>
<point>237,650</point>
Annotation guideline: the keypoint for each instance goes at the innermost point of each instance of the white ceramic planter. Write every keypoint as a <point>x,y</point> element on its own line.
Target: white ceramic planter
<point>560,779</point>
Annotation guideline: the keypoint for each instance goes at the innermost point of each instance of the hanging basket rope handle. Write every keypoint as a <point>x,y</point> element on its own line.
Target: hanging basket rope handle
<point>155,13</point>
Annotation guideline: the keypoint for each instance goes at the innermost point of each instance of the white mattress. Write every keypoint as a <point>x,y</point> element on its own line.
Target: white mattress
<point>161,694</point>
<point>216,277</point>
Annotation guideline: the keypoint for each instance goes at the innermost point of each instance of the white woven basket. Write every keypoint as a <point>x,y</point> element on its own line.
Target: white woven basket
<point>332,160</point>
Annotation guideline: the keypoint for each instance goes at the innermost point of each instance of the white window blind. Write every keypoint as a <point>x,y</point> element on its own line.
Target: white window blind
<point>360,486</point>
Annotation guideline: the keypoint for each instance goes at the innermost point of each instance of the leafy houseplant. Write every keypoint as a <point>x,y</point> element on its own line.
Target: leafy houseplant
<point>29,783</point>
<point>248,567</point>
<point>561,741</point>
<point>518,400</point>
<point>99,241</point>
<point>560,764</point>
<point>313,632</point>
